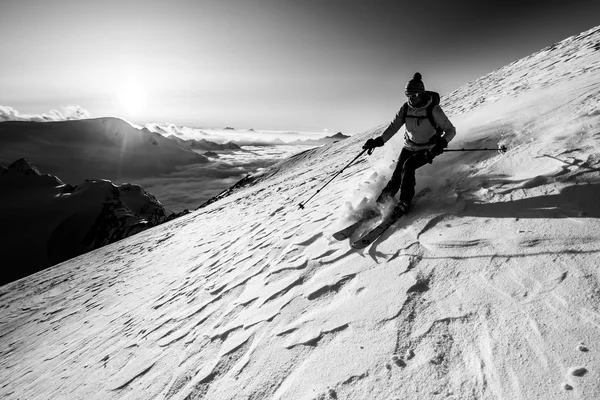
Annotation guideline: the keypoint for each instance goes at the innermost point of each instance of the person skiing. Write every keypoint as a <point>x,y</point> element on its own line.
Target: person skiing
<point>428,132</point>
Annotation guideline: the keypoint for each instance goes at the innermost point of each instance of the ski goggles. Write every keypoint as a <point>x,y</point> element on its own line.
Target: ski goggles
<point>412,95</point>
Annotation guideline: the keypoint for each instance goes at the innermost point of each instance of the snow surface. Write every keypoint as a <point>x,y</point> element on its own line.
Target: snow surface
<point>488,289</point>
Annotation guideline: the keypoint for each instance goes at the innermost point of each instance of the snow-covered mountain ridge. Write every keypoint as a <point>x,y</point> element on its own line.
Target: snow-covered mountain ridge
<point>488,289</point>
<point>97,148</point>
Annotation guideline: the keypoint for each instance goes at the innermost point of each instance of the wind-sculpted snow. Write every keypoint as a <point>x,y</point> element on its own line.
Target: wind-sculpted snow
<point>488,289</point>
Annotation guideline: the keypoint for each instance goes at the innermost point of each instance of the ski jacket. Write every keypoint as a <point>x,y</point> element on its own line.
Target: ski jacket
<point>420,134</point>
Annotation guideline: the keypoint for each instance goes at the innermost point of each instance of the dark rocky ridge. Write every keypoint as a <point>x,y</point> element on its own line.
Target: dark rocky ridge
<point>47,221</point>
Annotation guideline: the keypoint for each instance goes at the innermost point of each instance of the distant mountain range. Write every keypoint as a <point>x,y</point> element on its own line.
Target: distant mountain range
<point>203,144</point>
<point>308,142</point>
<point>324,140</point>
<point>46,221</point>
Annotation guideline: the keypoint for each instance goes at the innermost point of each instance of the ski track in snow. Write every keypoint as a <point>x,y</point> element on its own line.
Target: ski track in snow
<point>488,289</point>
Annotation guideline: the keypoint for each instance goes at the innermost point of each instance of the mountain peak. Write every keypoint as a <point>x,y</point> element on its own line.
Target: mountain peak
<point>339,135</point>
<point>23,166</point>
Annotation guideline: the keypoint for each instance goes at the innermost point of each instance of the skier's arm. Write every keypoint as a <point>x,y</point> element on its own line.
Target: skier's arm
<point>394,127</point>
<point>443,122</point>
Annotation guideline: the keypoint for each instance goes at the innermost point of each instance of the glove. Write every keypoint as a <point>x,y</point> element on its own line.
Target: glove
<point>372,143</point>
<point>437,149</point>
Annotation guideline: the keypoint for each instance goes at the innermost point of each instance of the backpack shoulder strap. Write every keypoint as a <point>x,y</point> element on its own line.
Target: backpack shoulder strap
<point>430,115</point>
<point>435,101</point>
<point>404,110</point>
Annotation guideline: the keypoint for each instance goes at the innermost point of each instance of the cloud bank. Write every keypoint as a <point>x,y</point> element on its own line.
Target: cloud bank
<point>70,112</point>
<point>192,185</point>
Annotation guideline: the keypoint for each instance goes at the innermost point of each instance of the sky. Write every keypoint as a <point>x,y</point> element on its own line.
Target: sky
<point>310,65</point>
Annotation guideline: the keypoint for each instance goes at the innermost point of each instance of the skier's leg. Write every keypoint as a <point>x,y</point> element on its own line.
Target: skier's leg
<point>393,185</point>
<point>407,185</point>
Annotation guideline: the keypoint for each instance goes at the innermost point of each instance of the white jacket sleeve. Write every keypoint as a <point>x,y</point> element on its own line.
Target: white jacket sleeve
<point>393,127</point>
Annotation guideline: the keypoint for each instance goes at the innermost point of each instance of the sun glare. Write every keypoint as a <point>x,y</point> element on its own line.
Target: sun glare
<point>132,98</point>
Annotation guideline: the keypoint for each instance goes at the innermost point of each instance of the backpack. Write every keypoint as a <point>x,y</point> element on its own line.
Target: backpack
<point>435,100</point>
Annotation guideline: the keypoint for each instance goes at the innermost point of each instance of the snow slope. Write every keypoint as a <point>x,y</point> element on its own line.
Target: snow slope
<point>489,289</point>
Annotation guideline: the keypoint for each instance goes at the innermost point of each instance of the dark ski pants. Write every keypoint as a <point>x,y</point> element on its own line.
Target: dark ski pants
<point>403,178</point>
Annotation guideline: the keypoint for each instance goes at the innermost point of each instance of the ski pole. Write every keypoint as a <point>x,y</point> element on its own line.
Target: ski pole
<point>501,149</point>
<point>342,170</point>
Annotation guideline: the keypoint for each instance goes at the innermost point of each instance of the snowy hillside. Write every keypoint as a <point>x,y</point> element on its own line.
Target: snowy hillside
<point>488,289</point>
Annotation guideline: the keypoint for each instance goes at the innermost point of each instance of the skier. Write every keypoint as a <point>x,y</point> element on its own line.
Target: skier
<point>428,132</point>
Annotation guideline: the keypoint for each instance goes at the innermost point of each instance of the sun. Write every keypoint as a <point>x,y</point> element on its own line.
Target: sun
<point>132,97</point>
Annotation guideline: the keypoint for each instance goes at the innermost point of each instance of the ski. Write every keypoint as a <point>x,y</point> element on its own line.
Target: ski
<point>371,236</point>
<point>349,230</point>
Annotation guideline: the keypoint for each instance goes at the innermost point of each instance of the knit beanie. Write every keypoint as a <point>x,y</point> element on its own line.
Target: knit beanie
<point>415,85</point>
